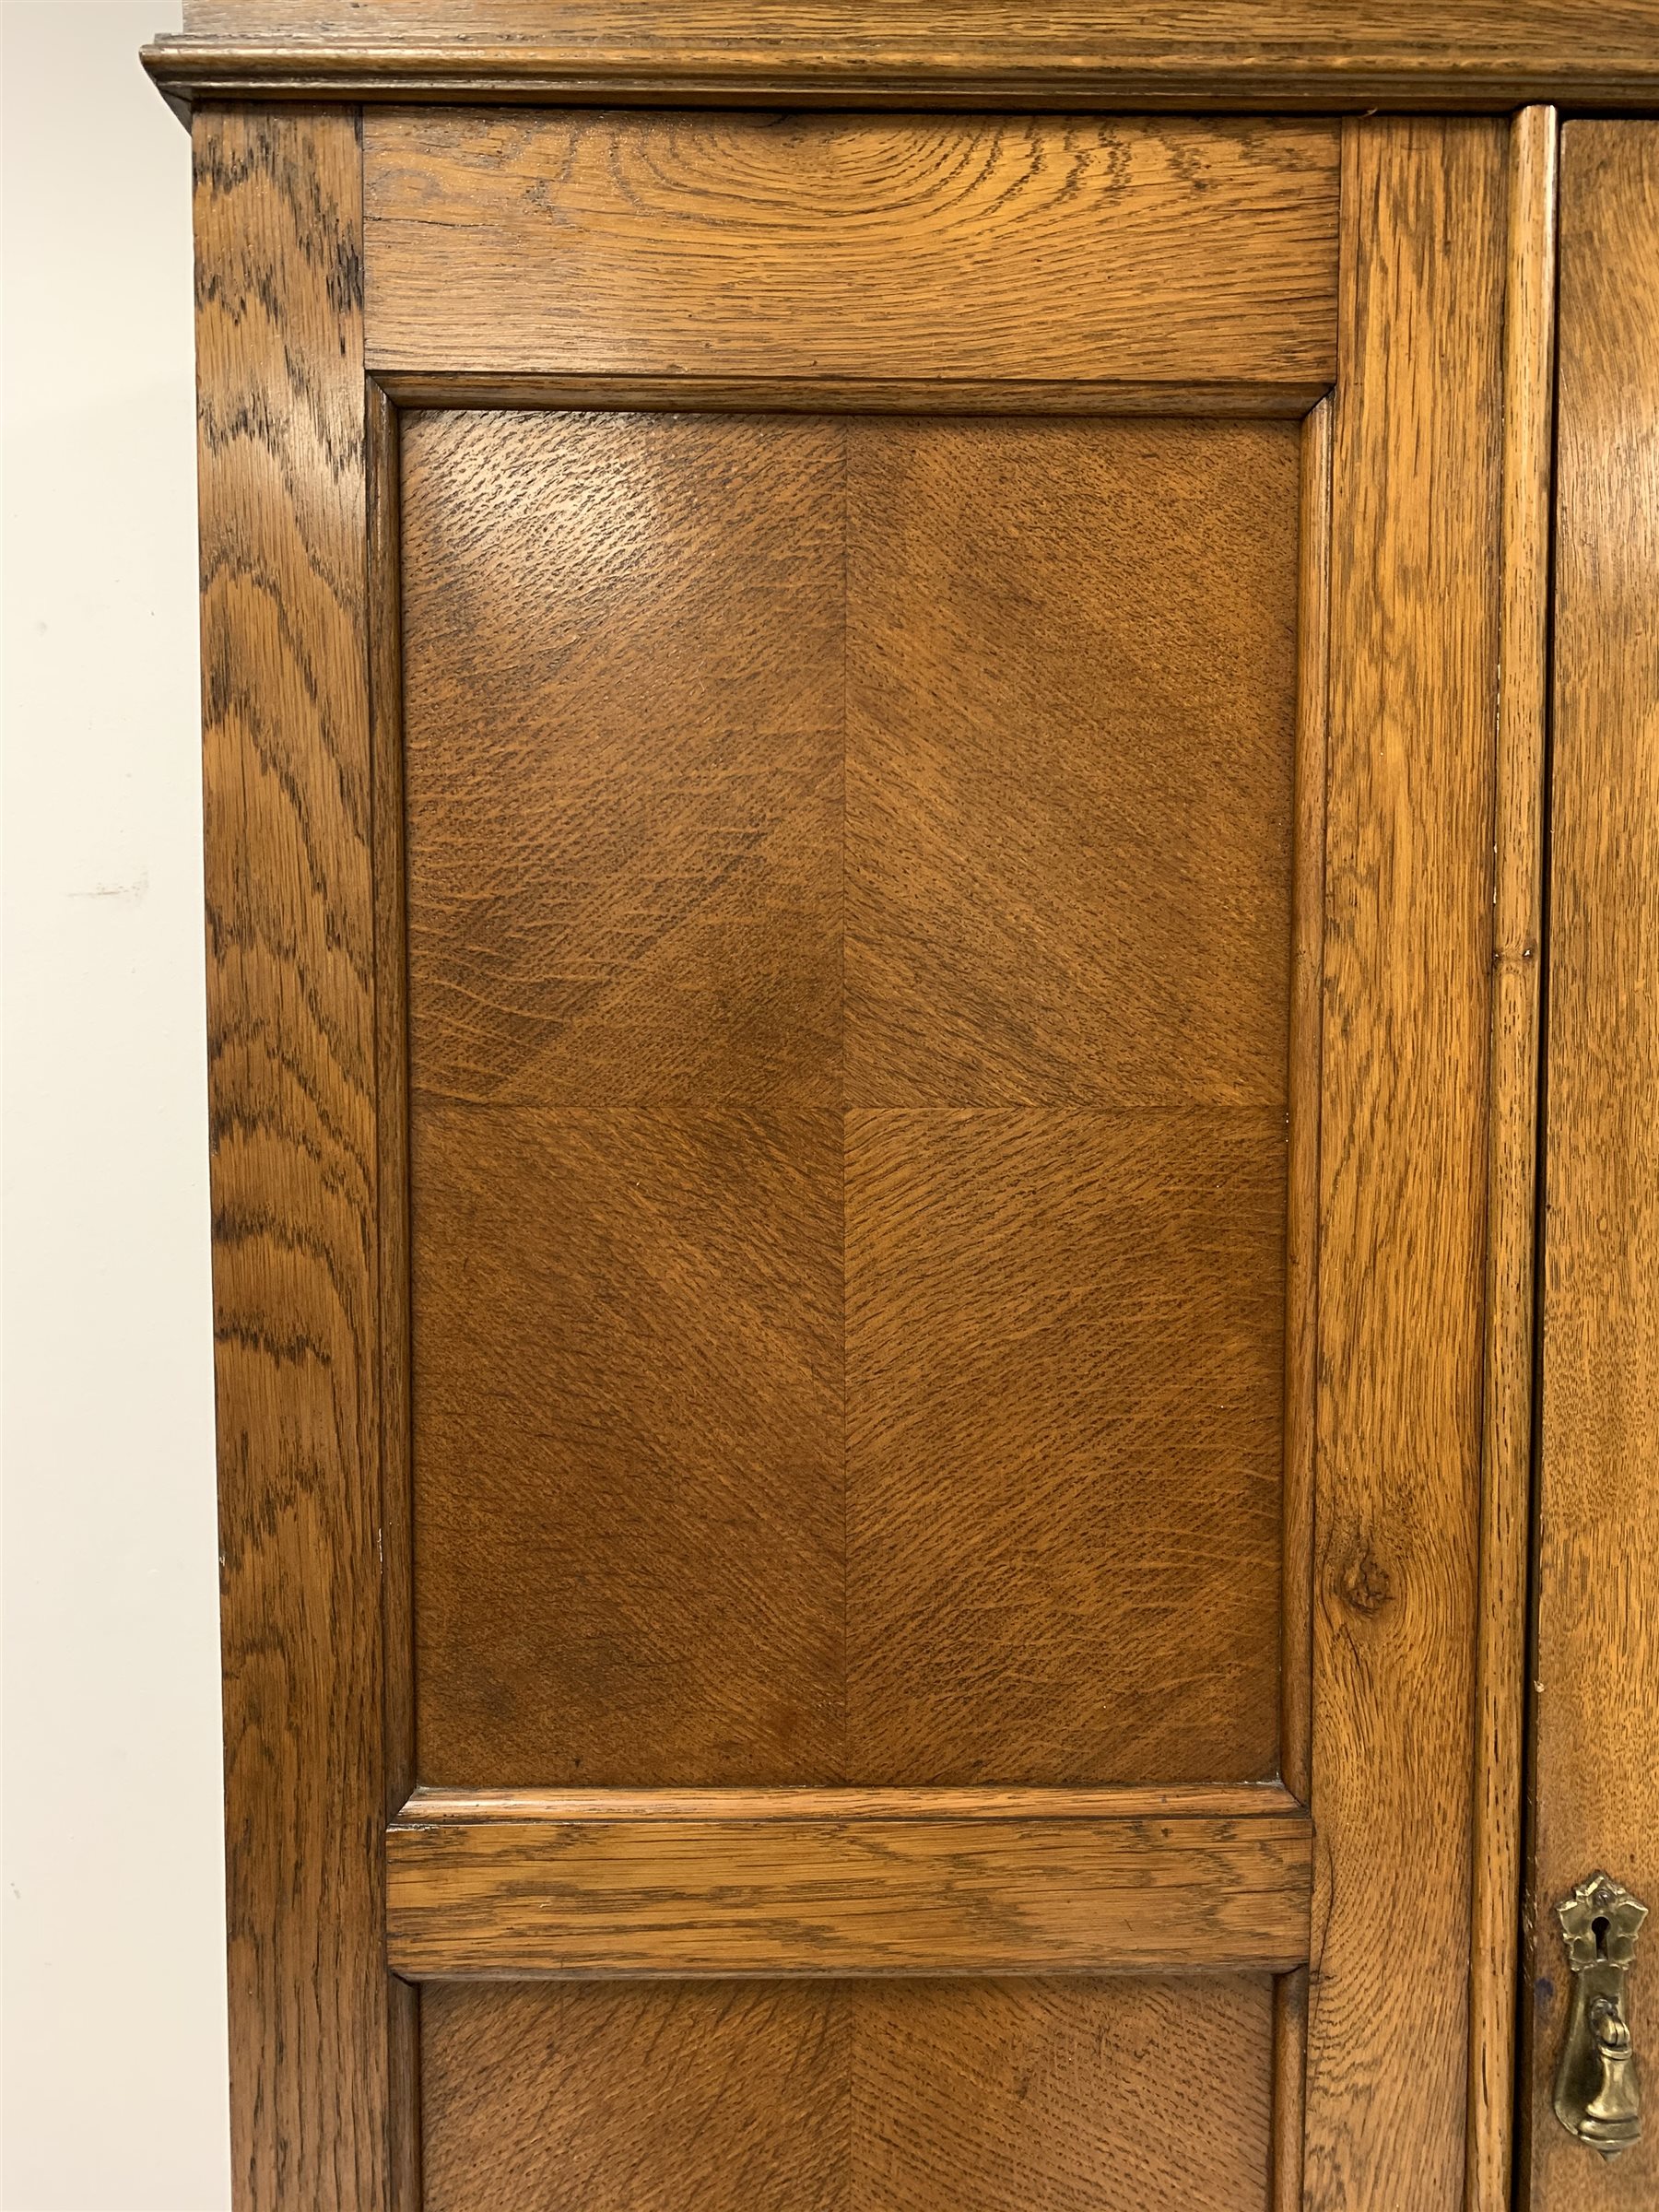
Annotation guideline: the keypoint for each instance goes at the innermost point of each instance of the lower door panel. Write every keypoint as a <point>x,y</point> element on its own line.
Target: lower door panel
<point>1076,2094</point>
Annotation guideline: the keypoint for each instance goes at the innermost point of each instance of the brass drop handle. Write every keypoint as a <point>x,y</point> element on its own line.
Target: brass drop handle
<point>1596,2096</point>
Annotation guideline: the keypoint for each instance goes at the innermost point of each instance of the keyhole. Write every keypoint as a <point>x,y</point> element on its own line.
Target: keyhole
<point>1598,1928</point>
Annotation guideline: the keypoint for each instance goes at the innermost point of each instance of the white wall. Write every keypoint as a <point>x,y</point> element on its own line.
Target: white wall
<point>114,2029</point>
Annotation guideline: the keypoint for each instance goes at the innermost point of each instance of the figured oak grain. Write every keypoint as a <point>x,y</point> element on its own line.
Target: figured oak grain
<point>690,244</point>
<point>848,1146</point>
<point>947,2096</point>
<point>495,1892</point>
<point>625,644</point>
<point>629,1462</point>
<point>1071,697</point>
<point>1064,1373</point>
<point>1513,1154</point>
<point>689,1107</point>
<point>1329,56</point>
<point>292,1100</point>
<point>624,655</point>
<point>1408,901</point>
<point>1595,1716</point>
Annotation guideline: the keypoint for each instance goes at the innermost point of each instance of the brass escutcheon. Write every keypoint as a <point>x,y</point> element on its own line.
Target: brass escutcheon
<point>1596,2096</point>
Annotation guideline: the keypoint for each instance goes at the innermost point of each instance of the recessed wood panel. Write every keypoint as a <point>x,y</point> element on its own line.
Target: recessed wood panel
<point>787,245</point>
<point>849,868</point>
<point>1081,2095</point>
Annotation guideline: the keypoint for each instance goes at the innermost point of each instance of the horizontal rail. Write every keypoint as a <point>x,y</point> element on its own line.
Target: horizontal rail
<point>869,253</point>
<point>846,1882</point>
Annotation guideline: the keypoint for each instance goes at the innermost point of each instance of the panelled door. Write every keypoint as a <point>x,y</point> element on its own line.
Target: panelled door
<point>1595,1722</point>
<point>854,766</point>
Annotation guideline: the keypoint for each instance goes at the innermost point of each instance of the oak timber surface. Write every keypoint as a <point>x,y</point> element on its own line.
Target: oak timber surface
<point>291,1079</point>
<point>1070,700</point>
<point>625,867</point>
<point>1064,1362</point>
<point>691,244</point>
<point>1409,901</point>
<point>1596,1717</point>
<point>498,1893</point>
<point>1329,55</point>
<point>1121,1800</point>
<point>1513,1152</point>
<point>738,394</point>
<point>949,2096</point>
<point>687,1511</point>
<point>624,660</point>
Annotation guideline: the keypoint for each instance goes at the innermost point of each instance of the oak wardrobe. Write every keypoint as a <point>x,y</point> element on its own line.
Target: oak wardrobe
<point>932,813</point>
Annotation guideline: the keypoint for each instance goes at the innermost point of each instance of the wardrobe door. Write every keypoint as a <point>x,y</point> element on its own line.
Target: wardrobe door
<point>851,840</point>
<point>850,777</point>
<point>1596,1676</point>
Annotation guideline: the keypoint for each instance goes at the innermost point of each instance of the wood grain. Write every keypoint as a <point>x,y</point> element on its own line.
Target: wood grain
<point>1060,1495</point>
<point>699,711</point>
<point>660,246</point>
<point>1408,892</point>
<point>391,1059</point>
<point>1289,2090</point>
<point>1513,1137</point>
<point>856,394</point>
<point>501,1894</point>
<point>854,977</point>
<point>1055,2096</point>
<point>629,1456</point>
<point>1326,54</point>
<point>624,656</point>
<point>1064,1380</point>
<point>635,2097</point>
<point>391,1133</point>
<point>1134,1801</point>
<point>625,640</point>
<point>1596,1711</point>
<point>1301,1468</point>
<point>1097,915</point>
<point>293,1088</point>
<point>946,2095</point>
<point>1301,1464</point>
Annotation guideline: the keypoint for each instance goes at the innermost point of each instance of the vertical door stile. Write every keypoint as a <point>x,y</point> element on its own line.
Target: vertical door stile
<point>1408,902</point>
<point>295,1164</point>
<point>1511,1189</point>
